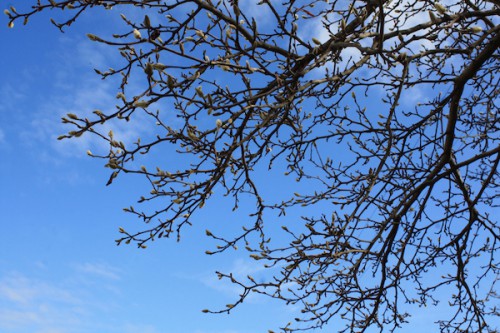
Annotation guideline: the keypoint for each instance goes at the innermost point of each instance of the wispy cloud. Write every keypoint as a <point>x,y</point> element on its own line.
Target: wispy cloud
<point>27,302</point>
<point>10,95</point>
<point>134,328</point>
<point>78,300</point>
<point>2,137</point>
<point>261,13</point>
<point>240,269</point>
<point>223,331</point>
<point>22,290</point>
<point>77,89</point>
<point>99,270</point>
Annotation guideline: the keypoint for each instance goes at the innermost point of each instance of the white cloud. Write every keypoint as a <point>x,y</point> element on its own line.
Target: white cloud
<point>10,94</point>
<point>218,331</point>
<point>83,299</point>
<point>11,319</point>
<point>22,290</point>
<point>27,302</point>
<point>134,328</point>
<point>414,95</point>
<point>99,269</point>
<point>240,269</point>
<point>261,13</point>
<point>77,89</point>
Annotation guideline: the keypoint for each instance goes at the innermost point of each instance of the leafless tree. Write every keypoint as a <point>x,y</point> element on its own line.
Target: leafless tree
<point>387,121</point>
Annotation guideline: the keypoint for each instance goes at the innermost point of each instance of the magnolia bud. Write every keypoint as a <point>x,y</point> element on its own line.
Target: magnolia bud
<point>137,34</point>
<point>192,135</point>
<point>440,8</point>
<point>148,69</point>
<point>159,66</point>
<point>432,17</point>
<point>93,37</point>
<point>120,96</point>
<point>199,91</point>
<point>343,24</point>
<point>141,104</point>
<point>147,22</point>
<point>200,34</point>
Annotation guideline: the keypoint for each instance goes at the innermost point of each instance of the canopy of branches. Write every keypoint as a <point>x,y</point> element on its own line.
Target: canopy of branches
<point>383,113</point>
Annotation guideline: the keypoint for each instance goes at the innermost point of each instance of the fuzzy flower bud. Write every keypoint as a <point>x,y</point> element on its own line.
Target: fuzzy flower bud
<point>141,104</point>
<point>200,34</point>
<point>93,38</point>
<point>440,8</point>
<point>120,96</point>
<point>476,29</point>
<point>137,34</point>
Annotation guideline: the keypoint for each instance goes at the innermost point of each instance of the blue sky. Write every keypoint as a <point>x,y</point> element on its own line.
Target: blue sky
<point>60,271</point>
